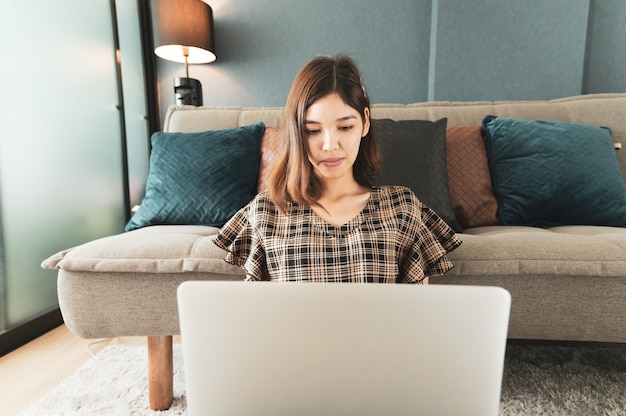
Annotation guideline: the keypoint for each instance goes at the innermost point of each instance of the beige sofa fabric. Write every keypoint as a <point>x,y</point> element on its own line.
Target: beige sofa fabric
<point>156,249</point>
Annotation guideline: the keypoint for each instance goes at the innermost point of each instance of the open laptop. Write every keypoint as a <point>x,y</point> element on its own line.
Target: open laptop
<point>297,349</point>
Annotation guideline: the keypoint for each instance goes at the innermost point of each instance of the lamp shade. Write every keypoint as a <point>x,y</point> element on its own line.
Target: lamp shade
<point>183,31</point>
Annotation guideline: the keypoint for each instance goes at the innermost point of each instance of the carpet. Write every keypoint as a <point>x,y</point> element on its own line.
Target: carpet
<point>538,380</point>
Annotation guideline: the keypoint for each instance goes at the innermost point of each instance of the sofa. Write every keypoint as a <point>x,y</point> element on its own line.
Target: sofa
<point>566,274</point>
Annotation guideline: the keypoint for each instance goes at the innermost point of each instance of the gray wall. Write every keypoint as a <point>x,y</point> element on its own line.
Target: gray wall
<point>414,50</point>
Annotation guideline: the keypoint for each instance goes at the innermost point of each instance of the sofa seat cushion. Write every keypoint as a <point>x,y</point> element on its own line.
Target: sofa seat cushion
<point>578,250</point>
<point>491,250</point>
<point>154,249</point>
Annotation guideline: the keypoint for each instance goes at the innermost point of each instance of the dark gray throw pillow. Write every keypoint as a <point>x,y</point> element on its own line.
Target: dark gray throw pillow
<point>414,155</point>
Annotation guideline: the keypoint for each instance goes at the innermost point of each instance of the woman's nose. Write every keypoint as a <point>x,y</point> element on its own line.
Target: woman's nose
<point>330,142</point>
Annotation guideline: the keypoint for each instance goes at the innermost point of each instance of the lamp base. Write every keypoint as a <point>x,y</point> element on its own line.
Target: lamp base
<point>188,91</point>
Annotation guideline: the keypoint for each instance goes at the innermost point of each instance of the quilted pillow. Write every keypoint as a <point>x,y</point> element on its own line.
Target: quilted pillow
<point>414,155</point>
<point>469,180</point>
<point>200,178</point>
<point>554,173</point>
<point>270,148</point>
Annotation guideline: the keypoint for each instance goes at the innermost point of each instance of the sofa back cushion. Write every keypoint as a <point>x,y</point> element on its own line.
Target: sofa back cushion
<point>596,109</point>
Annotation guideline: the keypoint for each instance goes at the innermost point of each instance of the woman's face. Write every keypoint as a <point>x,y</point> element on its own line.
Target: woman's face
<point>333,135</point>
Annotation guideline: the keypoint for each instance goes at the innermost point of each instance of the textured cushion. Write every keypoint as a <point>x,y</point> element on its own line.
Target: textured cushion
<point>566,250</point>
<point>554,173</point>
<point>469,180</point>
<point>414,155</point>
<point>270,148</point>
<point>200,178</point>
<point>156,249</point>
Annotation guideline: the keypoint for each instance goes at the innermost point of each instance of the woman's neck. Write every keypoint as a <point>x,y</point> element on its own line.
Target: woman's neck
<point>337,188</point>
<point>341,201</point>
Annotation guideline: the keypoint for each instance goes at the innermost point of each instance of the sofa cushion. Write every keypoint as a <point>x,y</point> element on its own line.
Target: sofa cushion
<point>156,249</point>
<point>200,178</point>
<point>574,250</point>
<point>414,155</point>
<point>577,250</point>
<point>469,180</point>
<point>554,173</point>
<point>270,149</point>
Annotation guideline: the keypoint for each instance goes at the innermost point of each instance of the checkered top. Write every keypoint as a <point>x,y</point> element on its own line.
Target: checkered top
<point>395,238</point>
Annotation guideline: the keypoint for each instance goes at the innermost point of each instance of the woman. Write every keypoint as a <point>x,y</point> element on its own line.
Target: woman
<point>323,220</point>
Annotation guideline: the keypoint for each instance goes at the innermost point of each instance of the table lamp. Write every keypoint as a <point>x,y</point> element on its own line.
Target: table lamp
<point>183,32</point>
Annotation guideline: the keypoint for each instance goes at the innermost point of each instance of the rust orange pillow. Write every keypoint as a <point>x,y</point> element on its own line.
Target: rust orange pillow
<point>469,180</point>
<point>270,148</point>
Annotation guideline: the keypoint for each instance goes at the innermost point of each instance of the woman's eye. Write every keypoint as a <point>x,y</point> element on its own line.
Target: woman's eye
<point>312,132</point>
<point>345,128</point>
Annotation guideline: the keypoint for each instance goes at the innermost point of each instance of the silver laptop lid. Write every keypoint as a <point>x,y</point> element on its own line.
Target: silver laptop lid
<point>342,349</point>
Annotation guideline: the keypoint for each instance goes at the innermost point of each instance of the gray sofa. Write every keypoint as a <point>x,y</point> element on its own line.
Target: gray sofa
<point>568,283</point>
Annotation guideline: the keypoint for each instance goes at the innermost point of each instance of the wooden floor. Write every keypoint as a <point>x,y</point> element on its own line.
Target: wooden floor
<point>30,372</point>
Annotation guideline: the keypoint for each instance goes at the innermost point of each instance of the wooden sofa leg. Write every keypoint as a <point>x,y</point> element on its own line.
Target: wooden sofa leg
<point>160,372</point>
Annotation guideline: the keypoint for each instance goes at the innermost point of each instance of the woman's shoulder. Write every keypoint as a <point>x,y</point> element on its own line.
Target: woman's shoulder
<point>262,203</point>
<point>262,209</point>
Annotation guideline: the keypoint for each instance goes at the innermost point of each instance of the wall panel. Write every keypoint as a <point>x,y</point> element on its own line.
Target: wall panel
<point>605,69</point>
<point>510,50</point>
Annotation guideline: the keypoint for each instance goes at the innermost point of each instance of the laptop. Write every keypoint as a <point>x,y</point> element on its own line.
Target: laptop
<point>283,349</point>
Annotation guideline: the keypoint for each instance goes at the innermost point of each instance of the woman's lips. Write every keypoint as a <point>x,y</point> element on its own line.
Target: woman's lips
<point>332,162</point>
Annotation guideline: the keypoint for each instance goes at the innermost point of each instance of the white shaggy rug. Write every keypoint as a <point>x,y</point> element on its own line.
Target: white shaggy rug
<point>112,383</point>
<point>538,380</point>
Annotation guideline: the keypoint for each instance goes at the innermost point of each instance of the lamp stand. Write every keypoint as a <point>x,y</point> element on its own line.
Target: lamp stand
<point>188,91</point>
<point>186,55</point>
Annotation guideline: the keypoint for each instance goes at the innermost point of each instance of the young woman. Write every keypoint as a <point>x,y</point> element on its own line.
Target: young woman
<point>323,219</point>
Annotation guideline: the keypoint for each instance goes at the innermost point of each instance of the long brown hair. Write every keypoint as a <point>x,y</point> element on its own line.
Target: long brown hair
<point>292,178</point>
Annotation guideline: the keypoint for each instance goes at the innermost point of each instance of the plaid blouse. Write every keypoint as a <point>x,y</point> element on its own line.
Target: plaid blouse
<point>395,238</point>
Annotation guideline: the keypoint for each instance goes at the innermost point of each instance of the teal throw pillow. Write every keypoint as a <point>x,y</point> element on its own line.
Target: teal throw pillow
<point>554,173</point>
<point>200,178</point>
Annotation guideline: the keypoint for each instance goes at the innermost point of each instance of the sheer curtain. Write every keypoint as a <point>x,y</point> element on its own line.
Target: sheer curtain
<point>63,176</point>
